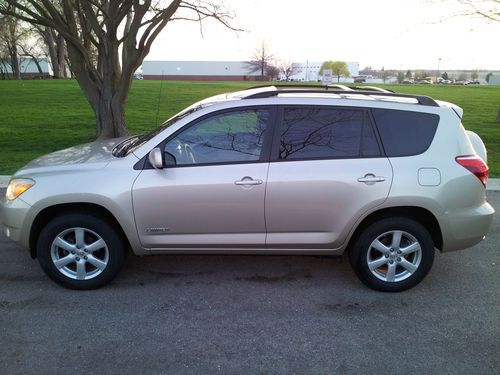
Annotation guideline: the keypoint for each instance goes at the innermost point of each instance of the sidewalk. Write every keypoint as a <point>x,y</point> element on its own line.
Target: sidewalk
<point>493,183</point>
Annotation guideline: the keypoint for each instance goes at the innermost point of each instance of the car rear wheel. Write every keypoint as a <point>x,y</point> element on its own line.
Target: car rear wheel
<point>80,251</point>
<point>392,254</point>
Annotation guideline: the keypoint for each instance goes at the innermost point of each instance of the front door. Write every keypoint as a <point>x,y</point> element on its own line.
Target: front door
<point>211,191</point>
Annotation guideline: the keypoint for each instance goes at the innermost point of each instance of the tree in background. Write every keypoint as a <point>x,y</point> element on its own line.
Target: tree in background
<point>400,77</point>
<point>287,69</point>
<point>445,76</point>
<point>106,42</point>
<point>4,62</point>
<point>474,75</point>
<point>33,51</point>
<point>368,71</point>
<point>338,68</point>
<point>462,76</point>
<point>384,74</point>
<point>55,48</point>
<point>408,74</point>
<point>12,33</point>
<point>421,74</point>
<point>488,76</point>
<point>272,71</point>
<point>261,59</point>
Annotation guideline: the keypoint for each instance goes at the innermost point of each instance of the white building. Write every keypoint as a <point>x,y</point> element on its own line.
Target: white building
<point>494,79</point>
<point>199,70</point>
<point>309,71</point>
<point>28,67</point>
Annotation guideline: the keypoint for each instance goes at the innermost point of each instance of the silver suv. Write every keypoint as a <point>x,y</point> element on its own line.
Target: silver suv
<point>386,177</point>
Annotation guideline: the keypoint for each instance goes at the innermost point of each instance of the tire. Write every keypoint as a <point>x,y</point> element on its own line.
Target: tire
<point>383,263</point>
<point>80,251</point>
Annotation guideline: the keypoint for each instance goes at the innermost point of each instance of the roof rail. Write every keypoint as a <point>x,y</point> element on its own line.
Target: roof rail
<point>325,87</point>
<point>370,88</point>
<point>355,90</point>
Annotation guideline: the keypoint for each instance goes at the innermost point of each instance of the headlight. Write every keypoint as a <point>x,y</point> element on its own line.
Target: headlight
<point>17,186</point>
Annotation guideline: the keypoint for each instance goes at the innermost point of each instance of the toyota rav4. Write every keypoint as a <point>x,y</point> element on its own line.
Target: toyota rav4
<point>386,177</point>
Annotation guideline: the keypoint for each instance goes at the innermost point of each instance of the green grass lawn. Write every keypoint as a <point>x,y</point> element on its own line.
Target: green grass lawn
<point>37,117</point>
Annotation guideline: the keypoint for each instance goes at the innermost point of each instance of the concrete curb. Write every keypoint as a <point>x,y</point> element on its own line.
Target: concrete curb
<point>493,183</point>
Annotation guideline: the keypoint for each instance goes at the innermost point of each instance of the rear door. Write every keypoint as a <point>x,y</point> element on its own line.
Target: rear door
<point>326,170</point>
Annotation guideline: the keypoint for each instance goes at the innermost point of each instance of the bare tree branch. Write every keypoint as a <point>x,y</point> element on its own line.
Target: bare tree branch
<point>485,9</point>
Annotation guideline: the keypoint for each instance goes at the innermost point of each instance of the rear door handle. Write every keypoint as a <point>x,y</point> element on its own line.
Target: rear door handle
<point>371,179</point>
<point>246,181</point>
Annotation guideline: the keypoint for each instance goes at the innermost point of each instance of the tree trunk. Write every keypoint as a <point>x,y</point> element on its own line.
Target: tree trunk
<point>14,63</point>
<point>110,118</point>
<point>48,36</point>
<point>37,63</point>
<point>3,70</point>
<point>109,110</point>
<point>56,49</point>
<point>61,57</point>
<point>106,97</point>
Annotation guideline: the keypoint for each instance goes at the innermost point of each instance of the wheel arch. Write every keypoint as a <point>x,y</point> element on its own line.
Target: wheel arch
<point>49,213</point>
<point>421,215</point>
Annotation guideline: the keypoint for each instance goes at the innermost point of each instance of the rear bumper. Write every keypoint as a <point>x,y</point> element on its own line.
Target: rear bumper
<point>467,227</point>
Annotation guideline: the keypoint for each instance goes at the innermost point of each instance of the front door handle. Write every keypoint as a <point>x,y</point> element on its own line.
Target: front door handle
<point>247,180</point>
<point>371,179</point>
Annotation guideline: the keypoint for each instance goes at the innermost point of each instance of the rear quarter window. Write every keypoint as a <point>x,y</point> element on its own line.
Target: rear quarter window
<point>405,133</point>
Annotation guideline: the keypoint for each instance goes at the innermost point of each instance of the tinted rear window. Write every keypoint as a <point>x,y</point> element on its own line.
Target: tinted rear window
<point>405,133</point>
<point>323,133</point>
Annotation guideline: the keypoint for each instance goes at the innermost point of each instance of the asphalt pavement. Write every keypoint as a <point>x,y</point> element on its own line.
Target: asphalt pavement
<point>253,315</point>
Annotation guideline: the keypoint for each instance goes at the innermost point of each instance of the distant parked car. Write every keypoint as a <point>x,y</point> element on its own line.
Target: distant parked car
<point>138,76</point>
<point>408,81</point>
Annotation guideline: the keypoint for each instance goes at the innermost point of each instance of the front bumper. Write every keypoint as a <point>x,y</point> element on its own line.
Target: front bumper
<point>17,217</point>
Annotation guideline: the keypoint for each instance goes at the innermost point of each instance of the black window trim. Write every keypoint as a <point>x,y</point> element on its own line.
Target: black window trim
<point>367,116</point>
<point>376,132</point>
<point>266,145</point>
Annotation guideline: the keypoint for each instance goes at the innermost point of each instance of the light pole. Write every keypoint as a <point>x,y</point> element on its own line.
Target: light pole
<point>437,74</point>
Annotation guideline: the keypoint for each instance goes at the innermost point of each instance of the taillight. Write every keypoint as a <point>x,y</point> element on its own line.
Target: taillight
<point>475,165</point>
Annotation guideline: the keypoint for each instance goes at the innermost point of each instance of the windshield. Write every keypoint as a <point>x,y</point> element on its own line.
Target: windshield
<point>130,144</point>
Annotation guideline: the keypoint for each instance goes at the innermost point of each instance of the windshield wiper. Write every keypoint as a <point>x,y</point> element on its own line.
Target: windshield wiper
<point>121,148</point>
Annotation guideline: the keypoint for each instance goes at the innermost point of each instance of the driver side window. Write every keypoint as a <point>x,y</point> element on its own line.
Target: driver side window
<point>223,138</point>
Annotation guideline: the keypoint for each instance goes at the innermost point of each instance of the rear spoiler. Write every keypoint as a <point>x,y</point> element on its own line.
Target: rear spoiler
<point>458,111</point>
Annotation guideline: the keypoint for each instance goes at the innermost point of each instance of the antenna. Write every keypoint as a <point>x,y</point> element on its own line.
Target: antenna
<point>159,98</point>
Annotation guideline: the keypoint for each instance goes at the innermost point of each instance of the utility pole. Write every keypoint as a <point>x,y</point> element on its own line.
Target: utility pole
<point>437,74</point>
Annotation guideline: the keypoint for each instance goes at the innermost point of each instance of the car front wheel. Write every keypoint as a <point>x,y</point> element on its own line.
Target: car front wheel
<point>80,251</point>
<point>392,254</point>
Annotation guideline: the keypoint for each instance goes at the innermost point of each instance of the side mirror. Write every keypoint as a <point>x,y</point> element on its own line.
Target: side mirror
<point>155,158</point>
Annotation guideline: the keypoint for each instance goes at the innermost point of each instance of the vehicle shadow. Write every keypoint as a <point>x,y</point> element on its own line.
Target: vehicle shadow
<point>214,269</point>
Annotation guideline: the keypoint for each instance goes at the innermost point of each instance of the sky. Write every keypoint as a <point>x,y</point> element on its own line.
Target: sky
<point>394,34</point>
